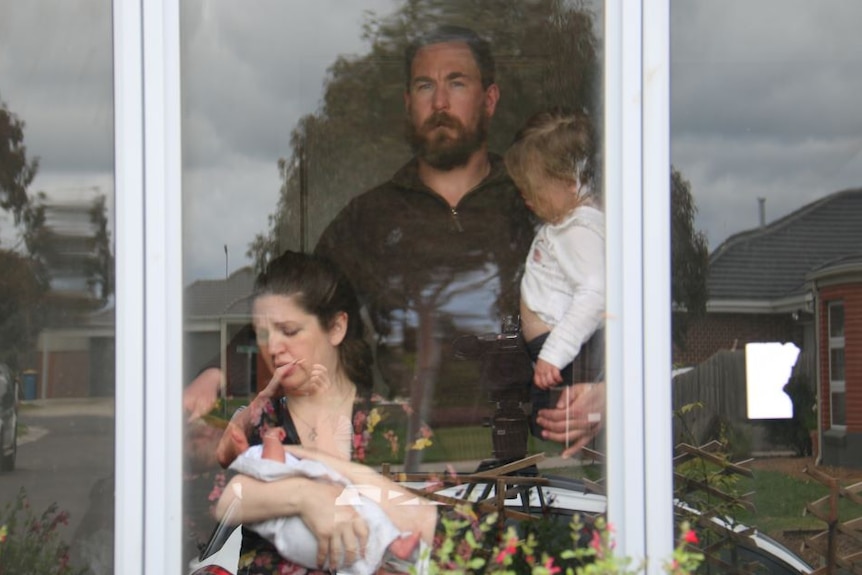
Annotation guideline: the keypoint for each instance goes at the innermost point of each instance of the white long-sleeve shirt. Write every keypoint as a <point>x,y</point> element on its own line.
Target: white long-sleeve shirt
<point>564,282</point>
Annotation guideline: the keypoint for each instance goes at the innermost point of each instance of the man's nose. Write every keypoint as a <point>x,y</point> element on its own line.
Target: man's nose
<point>440,99</point>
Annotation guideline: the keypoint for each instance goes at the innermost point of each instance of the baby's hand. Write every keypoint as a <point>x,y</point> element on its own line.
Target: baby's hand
<point>319,379</point>
<point>546,375</point>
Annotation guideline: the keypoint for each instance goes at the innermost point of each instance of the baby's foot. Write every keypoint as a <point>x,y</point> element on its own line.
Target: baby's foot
<point>400,556</point>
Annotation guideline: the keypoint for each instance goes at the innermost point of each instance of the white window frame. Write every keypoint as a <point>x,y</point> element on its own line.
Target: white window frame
<point>148,465</point>
<point>149,282</point>
<point>835,385</point>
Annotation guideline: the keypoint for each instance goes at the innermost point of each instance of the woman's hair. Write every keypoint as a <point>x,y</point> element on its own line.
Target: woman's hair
<point>319,288</point>
<point>553,145</point>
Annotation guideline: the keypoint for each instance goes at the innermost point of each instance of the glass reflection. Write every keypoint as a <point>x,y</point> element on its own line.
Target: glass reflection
<point>772,191</point>
<point>57,259</point>
<point>290,113</point>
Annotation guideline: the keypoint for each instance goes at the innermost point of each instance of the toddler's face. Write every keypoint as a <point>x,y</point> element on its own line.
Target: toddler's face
<point>552,200</point>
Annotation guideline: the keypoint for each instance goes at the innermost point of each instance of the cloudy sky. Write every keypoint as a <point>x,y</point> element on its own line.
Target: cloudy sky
<point>764,104</point>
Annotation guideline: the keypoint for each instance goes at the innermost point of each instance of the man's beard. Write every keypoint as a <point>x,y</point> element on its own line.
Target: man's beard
<point>441,151</point>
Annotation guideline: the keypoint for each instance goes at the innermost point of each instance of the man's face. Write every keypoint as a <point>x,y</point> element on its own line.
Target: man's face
<point>448,109</point>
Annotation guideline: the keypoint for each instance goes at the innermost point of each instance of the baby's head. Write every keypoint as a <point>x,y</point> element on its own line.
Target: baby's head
<point>551,162</point>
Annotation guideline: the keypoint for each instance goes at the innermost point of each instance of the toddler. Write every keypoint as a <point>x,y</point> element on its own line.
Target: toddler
<point>563,286</point>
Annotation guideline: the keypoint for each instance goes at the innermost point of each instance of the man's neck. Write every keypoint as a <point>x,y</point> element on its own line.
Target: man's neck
<point>455,183</point>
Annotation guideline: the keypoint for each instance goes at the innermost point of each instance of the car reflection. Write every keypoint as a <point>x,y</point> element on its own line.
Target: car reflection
<point>8,418</point>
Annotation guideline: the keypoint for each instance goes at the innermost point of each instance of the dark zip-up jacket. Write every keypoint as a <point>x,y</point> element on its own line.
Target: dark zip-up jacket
<point>429,273</point>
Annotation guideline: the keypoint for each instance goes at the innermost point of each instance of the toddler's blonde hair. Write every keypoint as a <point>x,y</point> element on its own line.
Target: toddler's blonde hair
<point>553,145</point>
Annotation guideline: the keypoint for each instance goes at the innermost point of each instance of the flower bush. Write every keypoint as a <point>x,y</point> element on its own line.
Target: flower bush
<point>467,545</point>
<point>31,544</point>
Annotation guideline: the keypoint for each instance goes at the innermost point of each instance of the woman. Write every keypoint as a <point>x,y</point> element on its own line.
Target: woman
<point>306,317</point>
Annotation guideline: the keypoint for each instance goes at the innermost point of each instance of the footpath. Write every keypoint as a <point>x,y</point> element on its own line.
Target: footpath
<point>64,407</point>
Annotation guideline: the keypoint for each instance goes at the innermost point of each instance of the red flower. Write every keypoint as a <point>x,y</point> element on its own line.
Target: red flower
<point>691,537</point>
<point>549,565</point>
<point>509,549</point>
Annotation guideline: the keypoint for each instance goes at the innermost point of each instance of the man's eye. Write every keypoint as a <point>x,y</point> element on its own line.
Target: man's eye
<point>423,87</point>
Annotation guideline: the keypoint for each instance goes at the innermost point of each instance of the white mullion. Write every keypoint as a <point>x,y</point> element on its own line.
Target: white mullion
<point>658,414</point>
<point>129,296</point>
<point>163,285</point>
<point>625,437</point>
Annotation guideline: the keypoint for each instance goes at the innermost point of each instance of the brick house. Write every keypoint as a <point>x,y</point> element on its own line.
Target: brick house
<point>798,279</point>
<point>78,361</point>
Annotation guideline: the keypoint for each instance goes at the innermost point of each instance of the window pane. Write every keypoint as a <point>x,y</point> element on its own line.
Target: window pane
<point>57,348</point>
<point>839,412</point>
<point>294,110</point>
<point>775,214</point>
<point>836,320</point>
<point>836,365</point>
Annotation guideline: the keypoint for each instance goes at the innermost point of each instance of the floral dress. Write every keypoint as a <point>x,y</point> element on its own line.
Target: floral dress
<point>257,555</point>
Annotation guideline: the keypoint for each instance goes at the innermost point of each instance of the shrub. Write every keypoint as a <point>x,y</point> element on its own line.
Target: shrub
<point>31,544</point>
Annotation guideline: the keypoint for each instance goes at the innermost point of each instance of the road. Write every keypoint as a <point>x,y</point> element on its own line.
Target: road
<point>66,456</point>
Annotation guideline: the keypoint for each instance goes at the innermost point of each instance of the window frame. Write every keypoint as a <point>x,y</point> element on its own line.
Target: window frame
<point>149,370</point>
<point>835,386</point>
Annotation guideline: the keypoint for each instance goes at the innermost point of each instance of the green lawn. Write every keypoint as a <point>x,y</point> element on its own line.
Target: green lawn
<point>780,499</point>
<point>452,444</point>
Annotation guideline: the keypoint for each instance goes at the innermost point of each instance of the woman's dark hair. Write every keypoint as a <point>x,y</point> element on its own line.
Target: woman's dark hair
<point>320,288</point>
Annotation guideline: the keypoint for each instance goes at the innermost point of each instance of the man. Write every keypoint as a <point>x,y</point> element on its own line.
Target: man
<point>436,252</point>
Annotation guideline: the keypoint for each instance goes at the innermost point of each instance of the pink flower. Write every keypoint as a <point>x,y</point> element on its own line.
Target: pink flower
<point>218,486</point>
<point>359,420</point>
<point>549,565</point>
<point>509,549</point>
<point>691,537</point>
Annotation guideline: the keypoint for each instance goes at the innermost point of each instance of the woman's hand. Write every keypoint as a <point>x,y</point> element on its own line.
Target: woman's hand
<point>405,509</point>
<point>546,375</point>
<point>577,417</point>
<point>324,507</point>
<point>340,531</point>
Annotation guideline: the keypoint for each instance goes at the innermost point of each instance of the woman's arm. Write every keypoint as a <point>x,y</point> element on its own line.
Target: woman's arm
<point>405,509</point>
<point>340,531</point>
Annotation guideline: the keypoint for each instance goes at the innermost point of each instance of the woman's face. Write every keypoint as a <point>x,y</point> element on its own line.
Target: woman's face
<point>286,334</point>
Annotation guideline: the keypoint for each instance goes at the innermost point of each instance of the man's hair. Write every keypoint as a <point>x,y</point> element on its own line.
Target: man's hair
<point>479,47</point>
